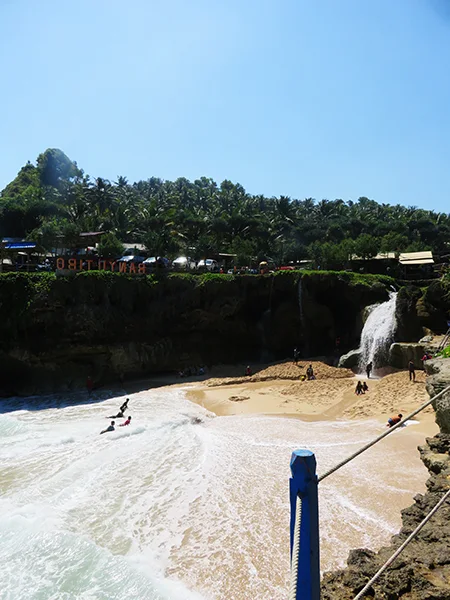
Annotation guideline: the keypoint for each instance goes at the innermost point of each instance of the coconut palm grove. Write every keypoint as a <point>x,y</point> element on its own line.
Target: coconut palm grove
<point>54,198</point>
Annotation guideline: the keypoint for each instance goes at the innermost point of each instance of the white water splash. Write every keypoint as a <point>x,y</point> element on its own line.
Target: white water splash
<point>378,333</point>
<point>173,508</point>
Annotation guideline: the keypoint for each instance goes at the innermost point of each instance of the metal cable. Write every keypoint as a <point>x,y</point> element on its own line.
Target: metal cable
<point>402,547</point>
<point>295,550</point>
<point>444,341</point>
<point>383,435</point>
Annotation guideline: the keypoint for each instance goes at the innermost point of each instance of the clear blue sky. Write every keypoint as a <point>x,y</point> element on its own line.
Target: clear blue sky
<point>306,98</point>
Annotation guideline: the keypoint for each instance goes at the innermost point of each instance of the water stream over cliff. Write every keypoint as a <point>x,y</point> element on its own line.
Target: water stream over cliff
<point>378,333</point>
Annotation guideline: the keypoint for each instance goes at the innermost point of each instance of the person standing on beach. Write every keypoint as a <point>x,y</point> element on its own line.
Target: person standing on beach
<point>412,371</point>
<point>296,356</point>
<point>369,370</point>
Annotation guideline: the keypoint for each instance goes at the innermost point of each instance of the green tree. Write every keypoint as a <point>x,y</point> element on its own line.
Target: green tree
<point>393,242</point>
<point>183,215</point>
<point>366,246</point>
<point>48,235</point>
<point>54,167</point>
<point>110,246</point>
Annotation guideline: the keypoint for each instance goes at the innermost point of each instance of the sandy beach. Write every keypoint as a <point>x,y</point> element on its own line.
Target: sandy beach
<point>203,502</point>
<point>278,390</point>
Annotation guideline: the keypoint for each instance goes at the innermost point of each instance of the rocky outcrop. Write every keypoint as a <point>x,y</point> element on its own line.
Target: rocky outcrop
<point>422,571</point>
<point>433,309</point>
<point>54,331</point>
<point>438,371</point>
<point>401,353</point>
<point>350,360</point>
<point>420,312</point>
<point>409,328</point>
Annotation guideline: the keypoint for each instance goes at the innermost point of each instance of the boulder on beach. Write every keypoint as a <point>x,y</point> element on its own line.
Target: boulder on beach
<point>350,360</point>
<point>401,353</point>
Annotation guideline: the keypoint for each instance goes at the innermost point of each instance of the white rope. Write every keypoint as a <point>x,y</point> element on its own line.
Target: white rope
<point>295,550</point>
<point>402,547</point>
<point>383,435</point>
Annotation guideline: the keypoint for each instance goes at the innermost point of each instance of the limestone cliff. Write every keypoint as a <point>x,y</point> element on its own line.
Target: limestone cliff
<point>422,310</point>
<point>56,330</point>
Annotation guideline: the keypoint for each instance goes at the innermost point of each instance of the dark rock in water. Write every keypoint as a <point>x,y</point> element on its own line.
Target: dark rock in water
<point>401,353</point>
<point>350,360</point>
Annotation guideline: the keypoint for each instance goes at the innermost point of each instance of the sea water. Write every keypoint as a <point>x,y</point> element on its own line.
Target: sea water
<point>181,504</point>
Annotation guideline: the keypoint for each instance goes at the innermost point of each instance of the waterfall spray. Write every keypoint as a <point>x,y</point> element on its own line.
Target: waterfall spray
<point>378,333</point>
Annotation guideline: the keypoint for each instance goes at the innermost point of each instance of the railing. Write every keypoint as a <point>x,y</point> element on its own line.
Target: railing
<point>445,340</point>
<point>304,527</point>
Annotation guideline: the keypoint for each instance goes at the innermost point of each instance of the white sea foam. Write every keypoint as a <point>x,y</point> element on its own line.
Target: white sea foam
<point>168,505</point>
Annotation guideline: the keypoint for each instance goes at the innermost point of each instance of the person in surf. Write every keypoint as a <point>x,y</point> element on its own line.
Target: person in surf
<point>118,416</point>
<point>127,422</point>
<point>110,428</point>
<point>124,406</point>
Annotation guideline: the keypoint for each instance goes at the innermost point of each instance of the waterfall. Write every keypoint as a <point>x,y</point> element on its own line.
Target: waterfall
<point>378,333</point>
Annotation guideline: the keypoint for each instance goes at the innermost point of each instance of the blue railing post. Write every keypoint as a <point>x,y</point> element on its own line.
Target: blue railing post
<point>303,483</point>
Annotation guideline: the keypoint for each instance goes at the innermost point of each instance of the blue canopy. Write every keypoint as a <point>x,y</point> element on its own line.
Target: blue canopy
<point>20,246</point>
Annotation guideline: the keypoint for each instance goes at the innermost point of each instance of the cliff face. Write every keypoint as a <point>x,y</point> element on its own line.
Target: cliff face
<point>54,331</point>
<point>418,311</point>
<point>422,571</point>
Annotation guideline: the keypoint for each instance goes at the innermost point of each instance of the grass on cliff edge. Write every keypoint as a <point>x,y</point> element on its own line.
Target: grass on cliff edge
<point>43,280</point>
